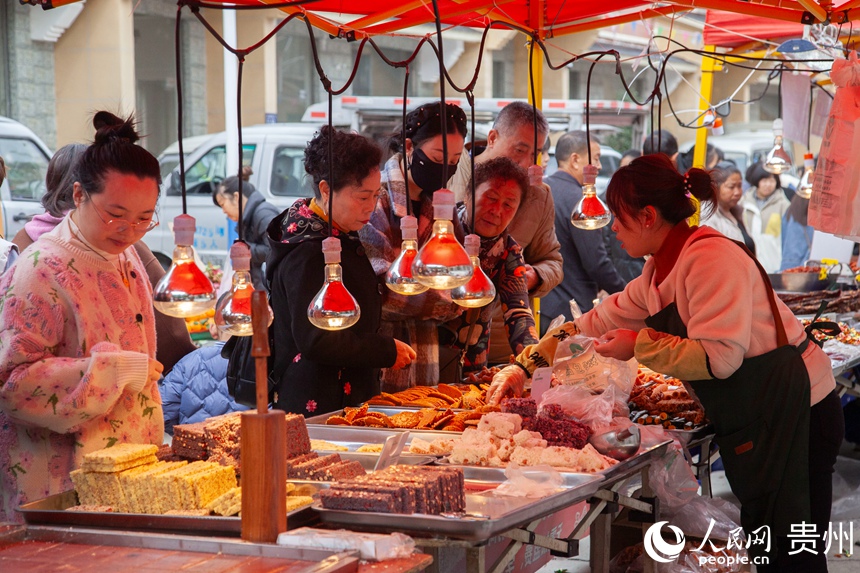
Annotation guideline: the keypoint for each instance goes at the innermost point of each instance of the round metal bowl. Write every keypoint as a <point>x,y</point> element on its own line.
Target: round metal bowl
<point>620,444</point>
<point>800,282</point>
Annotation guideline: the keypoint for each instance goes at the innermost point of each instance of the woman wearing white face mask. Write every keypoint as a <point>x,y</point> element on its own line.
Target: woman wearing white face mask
<point>77,331</point>
<point>414,319</point>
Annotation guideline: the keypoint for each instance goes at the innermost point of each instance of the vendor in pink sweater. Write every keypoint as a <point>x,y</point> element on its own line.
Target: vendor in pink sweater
<point>704,311</point>
<point>77,332</point>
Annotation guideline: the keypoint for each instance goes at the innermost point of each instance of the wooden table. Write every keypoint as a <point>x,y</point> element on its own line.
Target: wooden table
<point>18,552</point>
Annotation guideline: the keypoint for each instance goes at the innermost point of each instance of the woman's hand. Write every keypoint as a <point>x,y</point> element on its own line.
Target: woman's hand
<point>510,379</point>
<point>618,344</point>
<point>155,370</point>
<point>405,355</point>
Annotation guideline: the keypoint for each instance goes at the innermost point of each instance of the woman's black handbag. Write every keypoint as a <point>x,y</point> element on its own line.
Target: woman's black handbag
<point>242,370</point>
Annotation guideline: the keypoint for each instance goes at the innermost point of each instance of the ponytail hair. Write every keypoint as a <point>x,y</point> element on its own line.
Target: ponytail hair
<point>115,149</point>
<point>653,180</point>
<point>425,122</point>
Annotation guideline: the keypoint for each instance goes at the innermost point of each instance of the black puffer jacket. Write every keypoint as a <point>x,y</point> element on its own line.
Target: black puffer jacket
<point>319,370</point>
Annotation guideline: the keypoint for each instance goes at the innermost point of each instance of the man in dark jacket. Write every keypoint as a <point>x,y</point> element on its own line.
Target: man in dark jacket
<point>587,268</point>
<point>257,213</point>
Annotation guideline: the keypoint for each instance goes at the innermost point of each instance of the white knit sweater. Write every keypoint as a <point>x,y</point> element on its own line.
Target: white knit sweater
<point>75,344</point>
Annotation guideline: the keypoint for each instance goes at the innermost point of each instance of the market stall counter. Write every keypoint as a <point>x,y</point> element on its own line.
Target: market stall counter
<point>38,549</point>
<point>488,516</point>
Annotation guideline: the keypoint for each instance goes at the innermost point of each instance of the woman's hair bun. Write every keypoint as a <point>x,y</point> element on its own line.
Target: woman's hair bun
<point>700,184</point>
<point>112,129</point>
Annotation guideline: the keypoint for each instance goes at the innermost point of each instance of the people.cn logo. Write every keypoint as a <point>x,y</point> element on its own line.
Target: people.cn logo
<point>657,548</point>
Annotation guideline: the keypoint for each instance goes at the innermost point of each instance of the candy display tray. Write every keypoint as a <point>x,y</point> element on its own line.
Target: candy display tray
<point>487,514</point>
<point>51,511</point>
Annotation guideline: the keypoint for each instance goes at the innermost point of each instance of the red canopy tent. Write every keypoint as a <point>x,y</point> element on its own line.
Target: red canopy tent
<point>546,18</point>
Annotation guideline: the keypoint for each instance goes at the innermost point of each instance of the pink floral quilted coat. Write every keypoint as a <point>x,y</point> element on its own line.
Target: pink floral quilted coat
<point>74,349</point>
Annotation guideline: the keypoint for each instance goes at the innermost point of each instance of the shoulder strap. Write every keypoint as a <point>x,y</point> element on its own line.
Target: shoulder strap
<point>781,337</point>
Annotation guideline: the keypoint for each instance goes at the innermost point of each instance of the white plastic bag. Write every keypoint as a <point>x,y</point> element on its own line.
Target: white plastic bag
<point>834,206</point>
<point>533,481</point>
<point>371,546</point>
<point>577,363</point>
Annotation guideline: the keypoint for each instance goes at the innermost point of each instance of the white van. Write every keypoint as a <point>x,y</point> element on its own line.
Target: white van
<point>747,147</point>
<point>275,153</point>
<point>26,158</point>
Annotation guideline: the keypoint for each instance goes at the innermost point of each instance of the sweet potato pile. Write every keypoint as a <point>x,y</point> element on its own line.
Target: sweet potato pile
<point>467,397</point>
<point>424,419</point>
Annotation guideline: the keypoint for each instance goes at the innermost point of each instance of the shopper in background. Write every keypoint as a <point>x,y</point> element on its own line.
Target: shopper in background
<point>796,234</point>
<point>500,185</point>
<point>513,136</point>
<point>629,156</point>
<point>77,331</point>
<point>8,249</point>
<point>173,341</point>
<point>415,319</point>
<point>764,205</point>
<point>703,311</point>
<point>586,264</point>
<point>319,370</point>
<point>257,213</point>
<point>726,218</point>
<point>661,141</point>
<point>196,388</point>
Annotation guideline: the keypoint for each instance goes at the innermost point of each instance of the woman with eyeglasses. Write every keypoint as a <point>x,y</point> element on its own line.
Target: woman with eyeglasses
<point>173,340</point>
<point>77,331</point>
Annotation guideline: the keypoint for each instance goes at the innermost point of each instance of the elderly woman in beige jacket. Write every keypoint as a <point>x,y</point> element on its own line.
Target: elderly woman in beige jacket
<point>513,136</point>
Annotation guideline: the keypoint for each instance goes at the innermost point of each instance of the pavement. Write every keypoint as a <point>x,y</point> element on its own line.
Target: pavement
<point>846,510</point>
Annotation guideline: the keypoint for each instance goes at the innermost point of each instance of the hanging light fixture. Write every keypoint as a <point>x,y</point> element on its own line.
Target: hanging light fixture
<point>777,161</point>
<point>233,311</point>
<point>479,291</point>
<point>590,212</point>
<point>399,276</point>
<point>804,188</point>
<point>442,263</point>
<point>333,308</point>
<point>185,290</point>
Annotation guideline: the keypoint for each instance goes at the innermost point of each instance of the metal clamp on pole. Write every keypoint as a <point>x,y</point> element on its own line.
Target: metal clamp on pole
<point>649,516</point>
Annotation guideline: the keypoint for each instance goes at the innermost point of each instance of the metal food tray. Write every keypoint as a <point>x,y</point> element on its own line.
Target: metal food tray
<point>355,436</point>
<point>643,457</point>
<point>621,468</point>
<point>368,460</point>
<point>486,515</point>
<point>694,433</point>
<point>318,560</point>
<point>50,511</point>
<point>387,410</point>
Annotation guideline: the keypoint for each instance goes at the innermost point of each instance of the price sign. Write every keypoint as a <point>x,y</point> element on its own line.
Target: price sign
<point>540,382</point>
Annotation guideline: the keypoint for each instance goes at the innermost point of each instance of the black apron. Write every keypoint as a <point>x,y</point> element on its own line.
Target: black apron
<point>761,420</point>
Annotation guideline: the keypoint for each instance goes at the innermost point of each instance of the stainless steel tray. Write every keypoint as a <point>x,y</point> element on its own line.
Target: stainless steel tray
<point>486,515</point>
<point>387,410</point>
<point>355,436</point>
<point>50,511</point>
<point>368,460</point>
<point>318,560</point>
<point>622,468</point>
<point>643,457</point>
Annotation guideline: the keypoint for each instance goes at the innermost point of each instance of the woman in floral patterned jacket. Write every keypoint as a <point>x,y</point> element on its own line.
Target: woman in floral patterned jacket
<point>77,331</point>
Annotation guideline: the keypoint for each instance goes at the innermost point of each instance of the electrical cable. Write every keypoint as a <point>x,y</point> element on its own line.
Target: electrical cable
<point>177,45</point>
<point>403,141</point>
